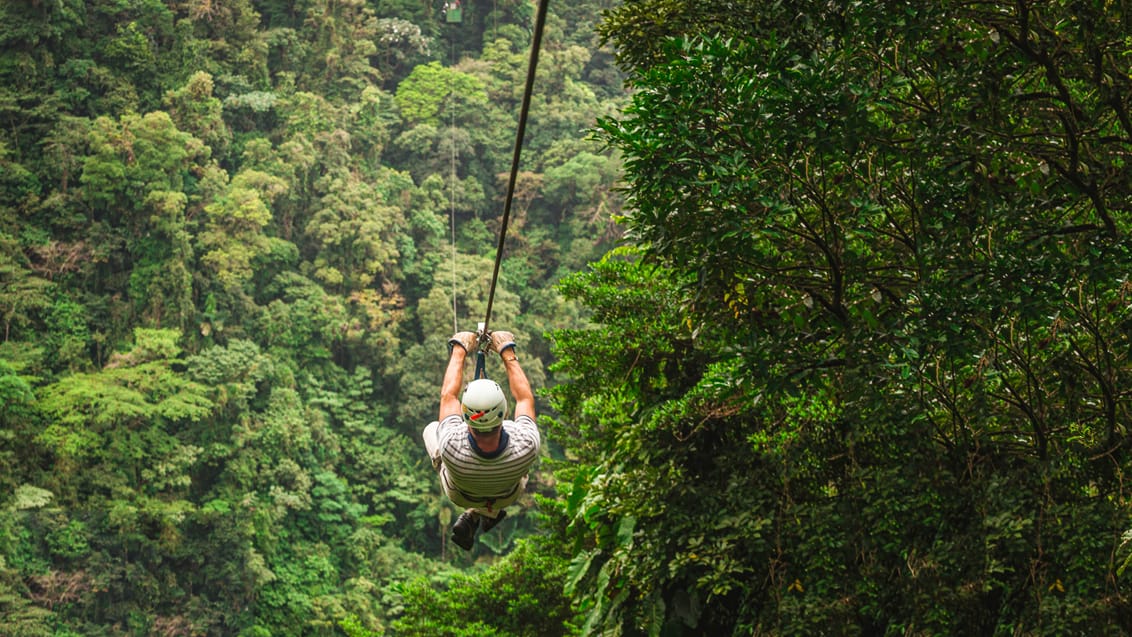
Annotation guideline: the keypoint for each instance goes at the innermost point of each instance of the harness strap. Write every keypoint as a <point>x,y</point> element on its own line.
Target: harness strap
<point>481,367</point>
<point>490,502</point>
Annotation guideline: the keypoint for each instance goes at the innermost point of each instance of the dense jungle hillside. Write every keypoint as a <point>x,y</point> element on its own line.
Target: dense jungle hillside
<point>235,237</point>
<point>827,306</point>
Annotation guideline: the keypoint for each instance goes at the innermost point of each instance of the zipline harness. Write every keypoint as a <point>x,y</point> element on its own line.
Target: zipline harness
<point>482,332</point>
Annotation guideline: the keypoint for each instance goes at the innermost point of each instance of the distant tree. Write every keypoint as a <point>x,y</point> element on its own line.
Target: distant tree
<point>422,95</point>
<point>354,235</point>
<point>137,181</point>
<point>369,123</point>
<point>23,294</point>
<point>120,471</point>
<point>343,37</point>
<point>233,233</point>
<point>18,421</point>
<point>401,46</point>
<point>223,39</point>
<point>197,111</point>
<point>427,243</point>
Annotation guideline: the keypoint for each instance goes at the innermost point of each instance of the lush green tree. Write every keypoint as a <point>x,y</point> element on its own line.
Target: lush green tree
<point>343,36</point>
<point>235,375</point>
<point>578,205</point>
<point>427,243</point>
<point>381,464</point>
<point>567,106</point>
<point>223,39</point>
<point>368,125</point>
<point>195,110</point>
<point>520,595</point>
<point>31,37</point>
<point>20,187</point>
<point>265,489</point>
<point>22,615</point>
<point>355,236</point>
<point>401,46</point>
<point>24,294</point>
<point>120,471</point>
<point>304,323</point>
<point>68,335</point>
<point>17,425</point>
<point>98,418</point>
<point>422,95</point>
<point>137,181</point>
<point>233,235</point>
<point>866,354</point>
<point>294,162</point>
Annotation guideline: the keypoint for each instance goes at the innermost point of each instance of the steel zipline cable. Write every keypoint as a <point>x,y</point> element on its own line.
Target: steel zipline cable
<point>452,187</point>
<point>536,44</point>
<point>452,223</point>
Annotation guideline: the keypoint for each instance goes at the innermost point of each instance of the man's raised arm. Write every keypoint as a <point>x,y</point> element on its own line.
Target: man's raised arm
<point>504,343</point>
<point>459,345</point>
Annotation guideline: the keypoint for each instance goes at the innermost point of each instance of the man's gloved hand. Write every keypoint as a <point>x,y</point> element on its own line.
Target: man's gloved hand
<point>501,341</point>
<point>467,340</point>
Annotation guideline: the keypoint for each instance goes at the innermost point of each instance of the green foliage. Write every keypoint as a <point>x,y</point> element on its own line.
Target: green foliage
<point>134,156</point>
<point>139,180</point>
<point>15,392</point>
<point>343,37</point>
<point>402,44</point>
<point>120,419</point>
<point>232,238</point>
<point>18,425</point>
<point>355,235</point>
<point>521,595</point>
<point>69,334</point>
<point>304,320</point>
<point>880,356</point>
<point>23,293</point>
<point>421,96</point>
<point>21,617</point>
<point>380,462</point>
<point>198,112</point>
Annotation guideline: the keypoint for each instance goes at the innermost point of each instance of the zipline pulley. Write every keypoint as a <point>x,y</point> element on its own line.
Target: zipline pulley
<point>483,342</point>
<point>453,12</point>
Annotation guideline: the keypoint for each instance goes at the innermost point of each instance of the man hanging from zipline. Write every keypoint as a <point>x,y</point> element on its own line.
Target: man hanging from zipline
<point>482,457</point>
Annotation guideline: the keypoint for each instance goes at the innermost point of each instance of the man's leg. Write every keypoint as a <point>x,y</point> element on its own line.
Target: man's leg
<point>487,523</point>
<point>464,529</point>
<point>432,443</point>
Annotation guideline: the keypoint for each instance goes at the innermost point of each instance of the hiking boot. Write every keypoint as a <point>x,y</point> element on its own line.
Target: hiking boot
<point>487,524</point>
<point>464,530</point>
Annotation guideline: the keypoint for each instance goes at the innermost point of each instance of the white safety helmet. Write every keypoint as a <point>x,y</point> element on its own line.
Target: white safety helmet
<point>485,406</point>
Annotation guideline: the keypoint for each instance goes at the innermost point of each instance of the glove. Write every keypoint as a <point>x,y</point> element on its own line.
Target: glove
<point>501,341</point>
<point>467,340</point>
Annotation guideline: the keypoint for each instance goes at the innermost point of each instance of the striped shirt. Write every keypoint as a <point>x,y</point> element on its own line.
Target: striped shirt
<point>493,475</point>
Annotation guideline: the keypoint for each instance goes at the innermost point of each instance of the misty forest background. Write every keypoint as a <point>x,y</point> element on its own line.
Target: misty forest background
<point>827,306</point>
